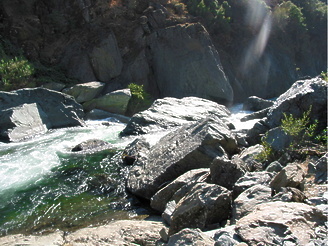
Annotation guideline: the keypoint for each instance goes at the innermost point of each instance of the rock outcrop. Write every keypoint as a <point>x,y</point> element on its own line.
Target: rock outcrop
<point>186,63</point>
<point>172,112</point>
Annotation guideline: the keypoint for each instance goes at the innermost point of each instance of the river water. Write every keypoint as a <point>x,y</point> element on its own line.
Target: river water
<point>44,186</point>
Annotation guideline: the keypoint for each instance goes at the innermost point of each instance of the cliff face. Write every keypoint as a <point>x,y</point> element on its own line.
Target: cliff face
<point>135,41</point>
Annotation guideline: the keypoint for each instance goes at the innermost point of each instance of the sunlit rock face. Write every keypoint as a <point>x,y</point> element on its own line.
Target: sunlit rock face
<point>186,63</point>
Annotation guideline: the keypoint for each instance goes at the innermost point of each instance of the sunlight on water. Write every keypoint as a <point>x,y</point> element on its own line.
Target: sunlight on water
<point>237,113</point>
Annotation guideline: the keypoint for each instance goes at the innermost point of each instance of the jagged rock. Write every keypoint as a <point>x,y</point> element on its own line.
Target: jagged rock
<point>247,159</point>
<point>164,195</point>
<point>22,122</point>
<point>225,172</point>
<point>290,176</point>
<point>250,179</point>
<point>188,47</point>
<point>86,91</point>
<point>100,183</point>
<point>203,205</point>
<point>225,236</point>
<point>321,169</point>
<point>61,110</point>
<point>280,223</point>
<point>300,97</point>
<point>255,134</point>
<point>171,112</point>
<point>189,147</point>
<point>53,239</point>
<point>106,59</point>
<point>274,167</point>
<point>255,103</point>
<point>256,115</point>
<point>114,102</point>
<point>246,202</point>
<point>117,233</point>
<point>290,194</point>
<point>190,237</point>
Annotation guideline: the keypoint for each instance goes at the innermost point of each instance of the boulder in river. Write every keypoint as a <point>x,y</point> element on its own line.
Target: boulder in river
<point>30,107</point>
<point>255,103</point>
<point>21,122</point>
<point>189,147</point>
<point>172,112</point>
<point>114,102</point>
<point>86,91</point>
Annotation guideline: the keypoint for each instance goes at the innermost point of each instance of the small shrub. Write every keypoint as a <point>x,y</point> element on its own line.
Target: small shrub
<point>267,154</point>
<point>140,99</point>
<point>15,72</point>
<point>324,76</point>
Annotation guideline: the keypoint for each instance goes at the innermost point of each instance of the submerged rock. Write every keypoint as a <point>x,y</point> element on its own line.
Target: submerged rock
<point>172,112</point>
<point>91,145</point>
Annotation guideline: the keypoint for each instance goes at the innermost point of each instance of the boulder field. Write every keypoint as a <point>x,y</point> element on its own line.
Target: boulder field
<point>208,188</point>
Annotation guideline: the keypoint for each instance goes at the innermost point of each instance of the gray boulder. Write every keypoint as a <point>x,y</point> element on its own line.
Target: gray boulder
<point>60,110</point>
<point>300,97</point>
<point>250,179</point>
<point>190,237</point>
<point>278,139</point>
<point>225,172</point>
<point>114,102</point>
<point>247,159</point>
<point>274,167</point>
<point>189,147</point>
<point>290,176</point>
<point>22,122</point>
<point>164,195</point>
<point>86,91</point>
<point>204,204</point>
<point>255,103</point>
<point>186,63</point>
<point>321,169</point>
<point>172,112</point>
<point>256,115</point>
<point>280,223</point>
<point>246,202</point>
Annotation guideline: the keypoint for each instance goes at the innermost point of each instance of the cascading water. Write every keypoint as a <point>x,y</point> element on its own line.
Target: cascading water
<point>45,186</point>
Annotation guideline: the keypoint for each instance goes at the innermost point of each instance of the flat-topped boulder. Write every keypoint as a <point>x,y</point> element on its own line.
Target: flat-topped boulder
<point>172,112</point>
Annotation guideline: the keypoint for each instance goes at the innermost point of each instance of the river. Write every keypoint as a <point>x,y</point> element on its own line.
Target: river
<point>44,186</point>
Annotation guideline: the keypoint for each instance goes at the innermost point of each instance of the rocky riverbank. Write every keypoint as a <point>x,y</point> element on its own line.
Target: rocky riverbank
<point>206,180</point>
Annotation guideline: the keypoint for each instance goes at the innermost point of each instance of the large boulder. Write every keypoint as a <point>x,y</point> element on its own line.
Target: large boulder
<point>203,205</point>
<point>114,102</point>
<point>171,112</point>
<point>86,91</point>
<point>189,147</point>
<point>246,202</point>
<point>300,97</point>
<point>164,195</point>
<point>225,172</point>
<point>21,122</point>
<point>280,223</point>
<point>186,63</point>
<point>60,110</point>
